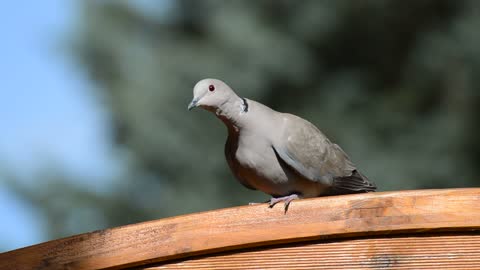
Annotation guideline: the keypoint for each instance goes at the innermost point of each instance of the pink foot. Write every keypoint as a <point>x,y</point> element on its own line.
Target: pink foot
<point>286,200</point>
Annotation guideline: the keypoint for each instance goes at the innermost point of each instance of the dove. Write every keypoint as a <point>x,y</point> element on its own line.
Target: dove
<point>280,154</point>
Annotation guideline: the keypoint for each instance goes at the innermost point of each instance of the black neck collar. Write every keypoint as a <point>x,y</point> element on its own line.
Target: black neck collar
<point>244,105</point>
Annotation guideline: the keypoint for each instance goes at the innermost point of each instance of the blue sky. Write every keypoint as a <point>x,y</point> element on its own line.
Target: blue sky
<point>47,114</point>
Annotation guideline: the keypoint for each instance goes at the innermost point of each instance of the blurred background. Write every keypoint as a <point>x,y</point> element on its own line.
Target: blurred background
<point>95,131</point>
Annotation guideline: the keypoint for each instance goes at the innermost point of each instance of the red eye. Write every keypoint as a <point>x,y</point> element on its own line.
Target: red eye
<point>211,87</point>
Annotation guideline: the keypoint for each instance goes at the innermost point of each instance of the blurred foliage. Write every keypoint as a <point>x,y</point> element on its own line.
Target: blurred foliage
<point>395,83</point>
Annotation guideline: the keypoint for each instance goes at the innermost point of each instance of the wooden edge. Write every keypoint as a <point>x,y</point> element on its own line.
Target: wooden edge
<point>257,225</point>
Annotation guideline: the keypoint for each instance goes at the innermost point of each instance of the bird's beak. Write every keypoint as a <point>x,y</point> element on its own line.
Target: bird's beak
<point>192,104</point>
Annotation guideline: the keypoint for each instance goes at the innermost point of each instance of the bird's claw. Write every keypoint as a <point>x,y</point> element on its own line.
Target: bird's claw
<point>286,200</point>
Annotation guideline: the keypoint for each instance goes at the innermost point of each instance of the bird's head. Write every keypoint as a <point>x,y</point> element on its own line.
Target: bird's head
<point>210,94</point>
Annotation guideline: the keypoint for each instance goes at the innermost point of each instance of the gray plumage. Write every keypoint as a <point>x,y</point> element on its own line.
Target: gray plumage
<point>278,153</point>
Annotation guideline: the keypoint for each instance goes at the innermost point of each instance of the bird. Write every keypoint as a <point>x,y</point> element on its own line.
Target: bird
<point>280,154</point>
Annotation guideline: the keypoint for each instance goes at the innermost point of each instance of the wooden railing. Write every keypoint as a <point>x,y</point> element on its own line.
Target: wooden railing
<point>419,229</point>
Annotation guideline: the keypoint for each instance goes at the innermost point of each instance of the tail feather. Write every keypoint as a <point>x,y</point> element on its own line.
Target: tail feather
<point>355,183</point>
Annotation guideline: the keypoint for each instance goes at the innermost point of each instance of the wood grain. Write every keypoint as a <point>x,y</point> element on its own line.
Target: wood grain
<point>253,226</point>
<point>403,252</point>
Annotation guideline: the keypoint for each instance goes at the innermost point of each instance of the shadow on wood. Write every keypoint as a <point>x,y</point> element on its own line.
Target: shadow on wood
<point>420,229</point>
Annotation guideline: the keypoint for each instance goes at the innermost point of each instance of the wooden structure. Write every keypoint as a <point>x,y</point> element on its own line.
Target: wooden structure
<point>420,229</point>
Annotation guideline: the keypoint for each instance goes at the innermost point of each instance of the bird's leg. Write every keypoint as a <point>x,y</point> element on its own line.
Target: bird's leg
<point>286,200</point>
<point>255,203</point>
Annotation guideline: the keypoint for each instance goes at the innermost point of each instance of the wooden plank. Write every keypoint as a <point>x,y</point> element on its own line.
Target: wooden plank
<point>438,251</point>
<point>258,225</point>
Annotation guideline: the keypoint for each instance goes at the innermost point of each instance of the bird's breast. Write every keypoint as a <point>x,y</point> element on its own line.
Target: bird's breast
<point>257,165</point>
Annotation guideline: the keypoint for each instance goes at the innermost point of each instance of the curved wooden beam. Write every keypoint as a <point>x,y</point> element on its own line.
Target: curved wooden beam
<point>253,226</point>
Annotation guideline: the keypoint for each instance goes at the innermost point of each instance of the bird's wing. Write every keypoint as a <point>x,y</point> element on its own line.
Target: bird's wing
<point>309,152</point>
